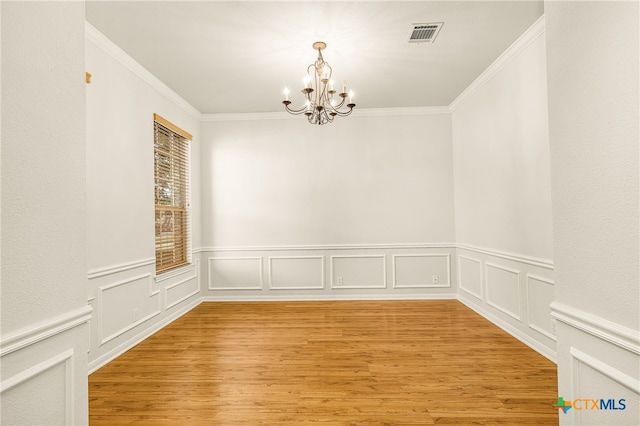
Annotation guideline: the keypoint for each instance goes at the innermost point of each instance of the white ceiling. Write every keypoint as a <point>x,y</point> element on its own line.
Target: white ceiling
<point>237,56</point>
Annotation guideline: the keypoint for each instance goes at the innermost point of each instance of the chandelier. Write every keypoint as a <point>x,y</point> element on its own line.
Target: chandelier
<point>321,106</point>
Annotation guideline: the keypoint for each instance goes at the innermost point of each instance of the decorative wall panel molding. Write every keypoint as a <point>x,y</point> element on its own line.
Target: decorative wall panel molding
<point>540,295</point>
<point>358,271</point>
<point>121,267</point>
<point>421,270</point>
<point>527,260</point>
<point>492,286</point>
<point>589,374</point>
<point>124,345</point>
<point>296,273</point>
<point>177,287</point>
<point>331,247</point>
<point>503,289</point>
<point>601,328</point>
<point>27,336</point>
<point>470,276</point>
<point>64,360</point>
<point>235,273</point>
<point>578,357</point>
<point>112,300</point>
<point>191,268</point>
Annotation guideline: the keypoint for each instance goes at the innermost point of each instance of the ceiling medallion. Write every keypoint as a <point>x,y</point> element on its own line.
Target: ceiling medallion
<point>321,107</point>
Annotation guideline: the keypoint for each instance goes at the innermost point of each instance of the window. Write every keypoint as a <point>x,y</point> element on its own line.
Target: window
<point>171,170</point>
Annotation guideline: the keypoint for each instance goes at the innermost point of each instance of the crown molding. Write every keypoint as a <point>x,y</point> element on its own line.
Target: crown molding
<point>95,36</point>
<point>367,112</point>
<point>512,52</point>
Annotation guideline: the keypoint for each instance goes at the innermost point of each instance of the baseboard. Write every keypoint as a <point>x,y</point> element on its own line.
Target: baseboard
<point>130,343</point>
<point>548,353</point>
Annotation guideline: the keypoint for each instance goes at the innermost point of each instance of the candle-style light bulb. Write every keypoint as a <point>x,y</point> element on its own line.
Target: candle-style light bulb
<point>307,81</point>
<point>350,96</point>
<point>331,84</point>
<point>286,93</point>
<point>344,87</point>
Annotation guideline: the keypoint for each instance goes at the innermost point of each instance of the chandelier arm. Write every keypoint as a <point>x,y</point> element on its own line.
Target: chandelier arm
<point>344,113</point>
<point>295,111</point>
<point>338,106</point>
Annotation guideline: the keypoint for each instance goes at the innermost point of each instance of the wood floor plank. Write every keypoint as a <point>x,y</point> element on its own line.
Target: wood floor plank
<point>337,363</point>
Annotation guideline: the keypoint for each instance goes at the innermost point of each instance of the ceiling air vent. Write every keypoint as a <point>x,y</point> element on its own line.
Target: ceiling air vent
<point>425,33</point>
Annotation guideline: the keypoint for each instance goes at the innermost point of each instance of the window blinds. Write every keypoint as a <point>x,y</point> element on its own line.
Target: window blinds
<point>171,170</point>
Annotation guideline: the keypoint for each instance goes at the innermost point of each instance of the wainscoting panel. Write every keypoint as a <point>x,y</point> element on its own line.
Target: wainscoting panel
<point>503,289</point>
<point>55,403</point>
<point>596,379</point>
<point>540,295</point>
<point>323,272</point>
<point>130,303</point>
<point>126,304</point>
<point>296,272</point>
<point>46,363</point>
<point>512,291</point>
<point>187,286</point>
<point>470,276</point>
<point>421,270</point>
<point>597,360</point>
<point>235,273</point>
<point>358,271</point>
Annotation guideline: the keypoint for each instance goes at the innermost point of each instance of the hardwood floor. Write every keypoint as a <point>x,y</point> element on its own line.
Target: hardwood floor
<point>336,363</point>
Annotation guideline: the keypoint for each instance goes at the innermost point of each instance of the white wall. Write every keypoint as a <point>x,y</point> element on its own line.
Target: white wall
<point>44,216</point>
<point>292,210</point>
<point>503,194</point>
<point>128,300</point>
<point>360,180</point>
<point>593,123</point>
<point>501,152</point>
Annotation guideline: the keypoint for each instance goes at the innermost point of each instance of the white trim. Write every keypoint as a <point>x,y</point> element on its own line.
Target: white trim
<point>332,286</point>
<point>175,272</point>
<point>529,260</point>
<point>196,275</point>
<point>270,278</point>
<point>394,270</point>
<point>331,247</point>
<point>534,344</point>
<point>128,344</point>
<point>100,40</point>
<point>358,112</point>
<point>401,111</point>
<point>65,357</point>
<point>517,316</point>
<point>461,286</point>
<point>512,52</point>
<point>601,367</point>
<point>132,325</point>
<point>29,335</point>
<point>330,297</point>
<point>260,266</point>
<point>528,293</point>
<point>601,328</point>
<point>121,267</point>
